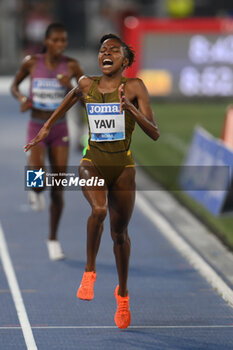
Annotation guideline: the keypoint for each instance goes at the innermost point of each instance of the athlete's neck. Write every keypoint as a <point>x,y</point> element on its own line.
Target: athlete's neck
<point>109,84</point>
<point>51,60</point>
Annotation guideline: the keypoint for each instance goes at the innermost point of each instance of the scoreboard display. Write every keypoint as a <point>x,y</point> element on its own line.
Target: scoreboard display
<point>182,58</point>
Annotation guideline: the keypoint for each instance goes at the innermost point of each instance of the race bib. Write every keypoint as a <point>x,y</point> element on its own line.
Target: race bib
<point>47,93</point>
<point>106,122</point>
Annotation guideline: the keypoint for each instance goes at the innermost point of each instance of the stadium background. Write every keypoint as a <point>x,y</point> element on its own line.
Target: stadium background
<point>22,24</point>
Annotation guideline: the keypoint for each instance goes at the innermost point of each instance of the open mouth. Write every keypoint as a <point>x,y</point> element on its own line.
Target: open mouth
<point>107,62</point>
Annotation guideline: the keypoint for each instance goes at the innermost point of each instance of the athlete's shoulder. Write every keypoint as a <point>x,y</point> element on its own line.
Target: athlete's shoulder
<point>87,79</point>
<point>134,84</point>
<point>134,81</point>
<point>85,82</point>
<point>29,61</point>
<point>73,66</point>
<point>95,77</point>
<point>29,58</point>
<point>71,60</point>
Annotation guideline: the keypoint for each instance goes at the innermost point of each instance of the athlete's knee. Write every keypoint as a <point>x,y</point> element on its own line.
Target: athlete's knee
<point>120,238</point>
<point>99,212</point>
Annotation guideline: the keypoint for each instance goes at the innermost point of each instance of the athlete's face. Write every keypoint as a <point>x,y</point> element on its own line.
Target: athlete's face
<point>56,42</point>
<point>112,56</point>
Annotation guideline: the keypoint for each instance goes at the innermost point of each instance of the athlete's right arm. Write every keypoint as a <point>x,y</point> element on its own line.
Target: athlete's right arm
<point>23,72</point>
<point>73,96</point>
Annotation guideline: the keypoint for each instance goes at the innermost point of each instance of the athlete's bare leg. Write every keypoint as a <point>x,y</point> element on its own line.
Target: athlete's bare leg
<point>121,203</point>
<point>97,199</point>
<point>36,160</point>
<point>58,157</point>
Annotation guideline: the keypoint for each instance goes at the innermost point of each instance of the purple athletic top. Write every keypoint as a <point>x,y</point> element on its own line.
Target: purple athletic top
<point>46,93</point>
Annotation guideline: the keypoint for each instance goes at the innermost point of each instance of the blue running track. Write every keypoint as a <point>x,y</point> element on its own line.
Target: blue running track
<point>172,306</point>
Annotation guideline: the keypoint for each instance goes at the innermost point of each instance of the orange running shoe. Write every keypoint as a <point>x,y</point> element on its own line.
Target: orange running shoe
<point>122,315</point>
<point>86,288</point>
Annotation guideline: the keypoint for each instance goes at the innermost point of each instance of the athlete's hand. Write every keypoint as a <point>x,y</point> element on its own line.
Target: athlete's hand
<point>42,134</point>
<point>64,80</point>
<point>124,102</point>
<point>25,103</point>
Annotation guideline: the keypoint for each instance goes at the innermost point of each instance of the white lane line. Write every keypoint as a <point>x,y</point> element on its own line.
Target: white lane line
<point>175,142</point>
<point>185,249</point>
<point>132,327</point>
<point>15,292</point>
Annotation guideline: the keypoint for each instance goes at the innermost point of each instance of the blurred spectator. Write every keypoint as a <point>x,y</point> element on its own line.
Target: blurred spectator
<point>180,8</point>
<point>37,20</point>
<point>207,8</point>
<point>118,10</point>
<point>108,16</point>
<point>75,15</point>
<point>100,22</point>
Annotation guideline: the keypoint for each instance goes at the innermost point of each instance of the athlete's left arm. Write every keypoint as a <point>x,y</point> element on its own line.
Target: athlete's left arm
<point>144,116</point>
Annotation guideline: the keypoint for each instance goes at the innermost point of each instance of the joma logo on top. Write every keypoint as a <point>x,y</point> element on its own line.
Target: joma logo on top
<point>104,108</point>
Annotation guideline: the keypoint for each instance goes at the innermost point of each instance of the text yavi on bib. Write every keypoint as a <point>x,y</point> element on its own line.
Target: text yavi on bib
<point>106,122</point>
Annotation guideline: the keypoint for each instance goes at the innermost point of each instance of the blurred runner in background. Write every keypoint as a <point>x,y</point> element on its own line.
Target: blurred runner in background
<point>50,73</point>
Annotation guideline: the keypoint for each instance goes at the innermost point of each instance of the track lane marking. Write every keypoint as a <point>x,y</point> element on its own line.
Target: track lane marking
<point>16,294</point>
<point>131,327</point>
<point>184,248</point>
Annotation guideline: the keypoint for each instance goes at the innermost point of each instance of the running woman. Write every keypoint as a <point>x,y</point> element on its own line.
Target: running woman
<point>113,103</point>
<point>50,80</point>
